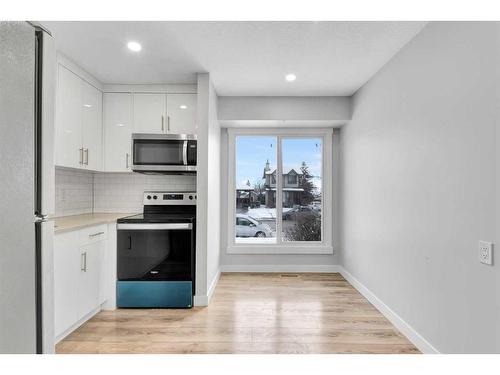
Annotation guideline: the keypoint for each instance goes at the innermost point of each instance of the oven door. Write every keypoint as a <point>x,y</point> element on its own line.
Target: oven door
<point>155,252</point>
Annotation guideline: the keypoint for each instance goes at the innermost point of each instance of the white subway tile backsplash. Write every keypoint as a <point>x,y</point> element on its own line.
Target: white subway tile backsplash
<point>79,192</point>
<point>74,192</point>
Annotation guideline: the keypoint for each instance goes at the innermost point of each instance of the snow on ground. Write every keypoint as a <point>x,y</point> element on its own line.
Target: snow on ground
<point>263,213</point>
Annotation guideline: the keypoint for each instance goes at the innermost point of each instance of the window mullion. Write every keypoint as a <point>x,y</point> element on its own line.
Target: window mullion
<point>279,192</point>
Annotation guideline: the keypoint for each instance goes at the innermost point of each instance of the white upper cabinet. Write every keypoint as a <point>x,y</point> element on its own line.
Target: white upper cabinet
<point>117,131</point>
<point>181,114</point>
<point>149,113</point>
<point>68,142</point>
<point>78,141</point>
<point>92,127</point>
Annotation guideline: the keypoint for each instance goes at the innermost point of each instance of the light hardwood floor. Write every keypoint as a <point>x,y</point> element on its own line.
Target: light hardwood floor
<point>250,313</point>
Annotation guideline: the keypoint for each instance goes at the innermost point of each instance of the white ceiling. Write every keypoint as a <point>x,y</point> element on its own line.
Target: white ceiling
<point>243,58</point>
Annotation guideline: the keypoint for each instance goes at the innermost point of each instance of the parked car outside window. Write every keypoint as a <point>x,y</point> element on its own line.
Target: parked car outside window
<point>247,226</point>
<point>296,211</point>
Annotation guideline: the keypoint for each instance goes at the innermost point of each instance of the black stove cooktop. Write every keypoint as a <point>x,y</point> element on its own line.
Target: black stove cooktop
<point>159,218</point>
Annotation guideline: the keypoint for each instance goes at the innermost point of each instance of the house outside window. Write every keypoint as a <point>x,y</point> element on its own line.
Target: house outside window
<point>277,181</point>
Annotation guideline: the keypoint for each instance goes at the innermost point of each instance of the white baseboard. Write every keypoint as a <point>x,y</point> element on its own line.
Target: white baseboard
<point>213,284</point>
<point>418,340</point>
<point>204,300</point>
<point>280,268</point>
<point>200,300</point>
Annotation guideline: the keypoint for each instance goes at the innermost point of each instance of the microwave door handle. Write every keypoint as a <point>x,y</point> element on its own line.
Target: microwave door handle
<point>185,152</point>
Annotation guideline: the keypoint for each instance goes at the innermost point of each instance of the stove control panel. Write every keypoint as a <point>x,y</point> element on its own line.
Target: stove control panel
<point>169,198</point>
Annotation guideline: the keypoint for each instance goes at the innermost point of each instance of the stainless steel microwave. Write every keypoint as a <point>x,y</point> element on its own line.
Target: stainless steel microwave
<point>164,153</point>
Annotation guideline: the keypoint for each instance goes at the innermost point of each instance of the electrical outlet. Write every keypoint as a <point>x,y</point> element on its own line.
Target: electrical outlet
<point>486,252</point>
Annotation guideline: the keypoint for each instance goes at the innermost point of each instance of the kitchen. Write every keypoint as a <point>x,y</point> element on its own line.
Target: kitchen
<point>115,185</point>
<point>102,136</point>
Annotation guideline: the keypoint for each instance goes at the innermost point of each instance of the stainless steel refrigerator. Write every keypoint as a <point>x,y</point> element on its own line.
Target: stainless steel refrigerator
<point>27,92</point>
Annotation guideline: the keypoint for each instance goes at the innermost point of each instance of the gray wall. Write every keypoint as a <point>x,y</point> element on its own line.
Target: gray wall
<point>309,108</point>
<point>419,166</point>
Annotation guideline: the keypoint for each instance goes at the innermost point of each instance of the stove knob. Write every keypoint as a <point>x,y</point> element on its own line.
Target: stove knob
<point>195,197</point>
<point>155,197</point>
<point>191,197</point>
<point>149,197</point>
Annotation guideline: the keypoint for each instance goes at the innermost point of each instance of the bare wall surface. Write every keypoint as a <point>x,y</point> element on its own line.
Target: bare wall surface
<point>320,108</point>
<point>208,188</point>
<point>419,182</point>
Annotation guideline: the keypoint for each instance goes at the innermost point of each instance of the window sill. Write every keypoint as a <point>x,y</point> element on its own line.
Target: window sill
<point>280,249</point>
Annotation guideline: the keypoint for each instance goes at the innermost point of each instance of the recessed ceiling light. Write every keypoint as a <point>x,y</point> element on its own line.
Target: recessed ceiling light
<point>120,125</point>
<point>290,77</point>
<point>87,105</point>
<point>134,46</point>
<point>183,106</point>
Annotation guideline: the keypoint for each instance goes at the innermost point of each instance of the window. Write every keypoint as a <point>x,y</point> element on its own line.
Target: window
<point>277,194</point>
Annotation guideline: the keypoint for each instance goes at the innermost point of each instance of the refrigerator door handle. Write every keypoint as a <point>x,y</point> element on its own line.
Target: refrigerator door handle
<point>40,218</point>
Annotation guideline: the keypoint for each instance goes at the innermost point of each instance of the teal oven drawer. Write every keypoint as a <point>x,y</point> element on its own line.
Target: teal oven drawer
<point>154,294</point>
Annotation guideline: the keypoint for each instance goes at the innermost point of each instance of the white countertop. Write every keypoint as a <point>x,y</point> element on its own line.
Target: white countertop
<point>68,223</point>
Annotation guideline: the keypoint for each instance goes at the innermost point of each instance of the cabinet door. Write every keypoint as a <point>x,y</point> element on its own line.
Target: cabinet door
<point>66,278</point>
<point>117,131</point>
<point>68,142</point>
<point>89,277</point>
<point>181,113</point>
<point>103,268</point>
<point>149,113</point>
<point>92,127</point>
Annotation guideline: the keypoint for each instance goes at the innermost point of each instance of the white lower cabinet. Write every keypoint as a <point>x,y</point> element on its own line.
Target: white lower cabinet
<point>90,277</point>
<point>79,284</point>
<point>66,278</point>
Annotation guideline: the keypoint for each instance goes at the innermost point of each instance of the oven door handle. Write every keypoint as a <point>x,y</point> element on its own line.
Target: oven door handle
<point>155,226</point>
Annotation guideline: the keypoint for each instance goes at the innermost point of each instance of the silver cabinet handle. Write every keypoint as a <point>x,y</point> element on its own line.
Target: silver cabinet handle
<point>81,155</point>
<point>86,156</point>
<point>126,161</point>
<point>95,234</point>
<point>83,262</point>
<point>168,124</point>
<point>162,123</point>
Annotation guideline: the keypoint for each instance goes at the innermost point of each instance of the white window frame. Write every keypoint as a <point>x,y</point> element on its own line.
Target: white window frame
<point>296,247</point>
